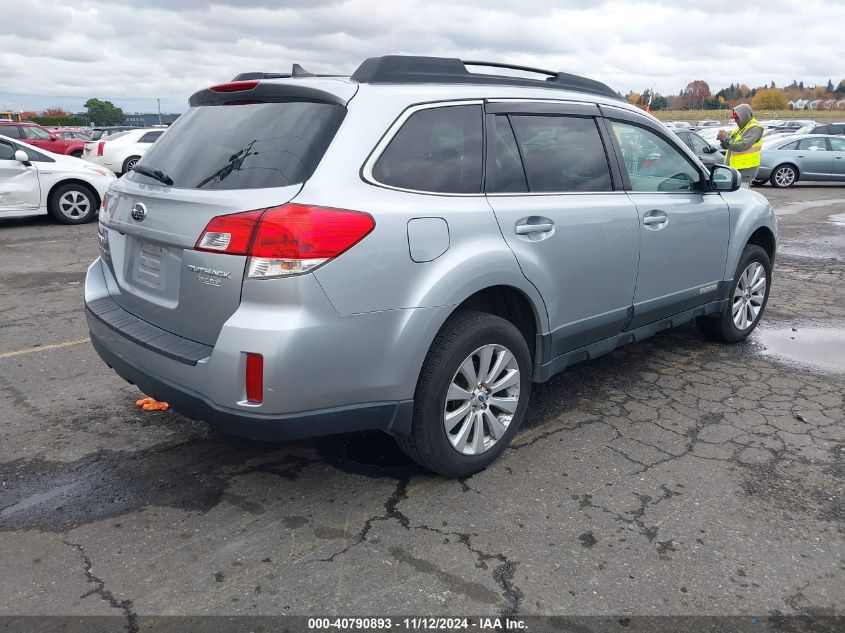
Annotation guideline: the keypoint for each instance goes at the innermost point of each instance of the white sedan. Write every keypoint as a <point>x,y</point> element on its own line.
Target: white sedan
<point>120,152</point>
<point>36,182</point>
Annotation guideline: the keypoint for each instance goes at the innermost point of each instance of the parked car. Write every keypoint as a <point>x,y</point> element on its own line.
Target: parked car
<point>35,182</point>
<point>41,137</point>
<point>809,157</point>
<point>710,135</point>
<point>678,125</point>
<point>121,151</point>
<point>708,123</point>
<point>83,135</point>
<point>98,133</point>
<point>302,262</point>
<point>705,152</point>
<point>790,127</point>
<point>837,129</point>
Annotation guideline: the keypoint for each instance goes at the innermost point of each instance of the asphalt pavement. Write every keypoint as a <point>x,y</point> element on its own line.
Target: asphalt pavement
<point>672,477</point>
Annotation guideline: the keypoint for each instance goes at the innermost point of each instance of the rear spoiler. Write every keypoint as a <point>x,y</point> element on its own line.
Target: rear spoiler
<point>240,92</point>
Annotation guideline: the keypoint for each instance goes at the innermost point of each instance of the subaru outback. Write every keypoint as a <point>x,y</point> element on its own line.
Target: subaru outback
<point>409,249</point>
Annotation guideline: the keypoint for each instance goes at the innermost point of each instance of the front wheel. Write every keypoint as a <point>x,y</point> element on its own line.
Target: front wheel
<point>784,176</point>
<point>471,395</point>
<point>746,302</point>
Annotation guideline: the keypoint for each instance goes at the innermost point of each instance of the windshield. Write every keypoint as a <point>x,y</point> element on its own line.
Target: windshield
<point>248,146</point>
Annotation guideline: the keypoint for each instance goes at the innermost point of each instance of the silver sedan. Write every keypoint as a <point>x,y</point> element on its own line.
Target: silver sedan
<point>786,160</point>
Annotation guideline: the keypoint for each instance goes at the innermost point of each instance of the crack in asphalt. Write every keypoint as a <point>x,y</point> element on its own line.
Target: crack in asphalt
<point>126,606</point>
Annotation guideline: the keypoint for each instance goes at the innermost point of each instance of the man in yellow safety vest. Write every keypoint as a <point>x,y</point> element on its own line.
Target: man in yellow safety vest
<point>743,145</point>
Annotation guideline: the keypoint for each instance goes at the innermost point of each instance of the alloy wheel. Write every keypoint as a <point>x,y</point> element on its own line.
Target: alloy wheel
<point>785,176</point>
<point>482,399</point>
<point>749,294</point>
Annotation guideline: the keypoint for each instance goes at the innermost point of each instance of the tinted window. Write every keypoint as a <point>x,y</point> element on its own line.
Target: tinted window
<point>149,137</point>
<point>562,153</point>
<point>837,144</point>
<point>12,131</point>
<point>7,151</point>
<point>812,144</point>
<point>504,167</point>
<point>837,129</point>
<point>437,149</point>
<point>249,146</point>
<point>821,129</point>
<point>653,163</point>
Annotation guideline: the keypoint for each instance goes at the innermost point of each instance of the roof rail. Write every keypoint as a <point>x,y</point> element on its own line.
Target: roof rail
<point>296,71</point>
<point>407,69</point>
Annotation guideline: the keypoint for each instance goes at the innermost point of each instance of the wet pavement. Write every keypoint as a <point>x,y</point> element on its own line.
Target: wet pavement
<point>675,476</point>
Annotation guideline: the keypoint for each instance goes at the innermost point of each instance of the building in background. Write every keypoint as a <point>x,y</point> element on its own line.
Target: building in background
<point>148,119</point>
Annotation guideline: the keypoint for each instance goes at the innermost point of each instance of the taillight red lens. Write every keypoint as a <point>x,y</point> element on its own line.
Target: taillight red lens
<point>286,240</point>
<point>254,378</point>
<point>234,86</point>
<point>298,231</point>
<point>229,234</point>
<point>100,147</point>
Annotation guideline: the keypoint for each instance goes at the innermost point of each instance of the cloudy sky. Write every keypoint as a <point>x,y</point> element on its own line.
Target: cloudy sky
<point>61,53</point>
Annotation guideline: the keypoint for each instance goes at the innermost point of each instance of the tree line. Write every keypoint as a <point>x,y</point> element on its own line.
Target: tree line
<point>698,96</point>
<point>98,112</point>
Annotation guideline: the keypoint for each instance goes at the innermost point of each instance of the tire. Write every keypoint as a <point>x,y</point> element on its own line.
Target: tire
<point>76,153</point>
<point>758,183</point>
<point>129,163</point>
<point>72,204</point>
<point>783,176</point>
<point>468,335</point>
<point>724,327</point>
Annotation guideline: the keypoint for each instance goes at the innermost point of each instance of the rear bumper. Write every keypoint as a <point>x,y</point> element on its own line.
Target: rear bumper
<point>391,417</point>
<point>324,373</point>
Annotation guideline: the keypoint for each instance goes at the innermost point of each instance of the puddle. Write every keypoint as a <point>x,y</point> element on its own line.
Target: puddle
<point>809,345</point>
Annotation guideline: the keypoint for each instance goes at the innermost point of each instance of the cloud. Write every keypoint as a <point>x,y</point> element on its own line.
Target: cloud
<point>62,54</point>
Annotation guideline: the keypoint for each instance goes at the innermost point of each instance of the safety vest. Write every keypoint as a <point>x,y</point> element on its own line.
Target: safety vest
<point>749,158</point>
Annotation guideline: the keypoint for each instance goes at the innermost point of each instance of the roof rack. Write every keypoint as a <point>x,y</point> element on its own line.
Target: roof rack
<point>408,69</point>
<point>296,71</point>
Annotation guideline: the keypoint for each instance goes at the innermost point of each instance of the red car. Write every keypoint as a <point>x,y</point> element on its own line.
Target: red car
<point>34,134</point>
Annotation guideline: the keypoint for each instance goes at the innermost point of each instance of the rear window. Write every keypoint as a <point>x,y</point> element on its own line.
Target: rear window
<point>250,146</point>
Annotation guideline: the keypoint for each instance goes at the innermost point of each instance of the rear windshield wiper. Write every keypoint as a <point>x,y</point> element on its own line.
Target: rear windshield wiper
<point>155,174</point>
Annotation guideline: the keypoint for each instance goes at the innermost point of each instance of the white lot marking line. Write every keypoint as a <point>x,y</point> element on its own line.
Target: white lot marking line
<point>44,348</point>
<point>38,242</point>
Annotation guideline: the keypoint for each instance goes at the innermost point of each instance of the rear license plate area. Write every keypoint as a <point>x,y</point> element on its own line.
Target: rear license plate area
<point>148,269</point>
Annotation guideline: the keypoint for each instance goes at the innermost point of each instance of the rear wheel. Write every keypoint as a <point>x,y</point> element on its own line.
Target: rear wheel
<point>130,162</point>
<point>471,396</point>
<point>746,302</point>
<point>784,176</point>
<point>72,204</point>
<point>76,153</point>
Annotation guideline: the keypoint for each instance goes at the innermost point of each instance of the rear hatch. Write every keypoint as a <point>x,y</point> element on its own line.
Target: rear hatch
<point>222,157</point>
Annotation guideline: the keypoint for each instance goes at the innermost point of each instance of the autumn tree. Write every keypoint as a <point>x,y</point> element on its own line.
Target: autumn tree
<point>27,115</point>
<point>696,93</point>
<point>769,99</point>
<point>55,111</point>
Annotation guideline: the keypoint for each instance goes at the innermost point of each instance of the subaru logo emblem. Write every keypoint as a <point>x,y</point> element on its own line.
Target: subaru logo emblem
<point>138,212</point>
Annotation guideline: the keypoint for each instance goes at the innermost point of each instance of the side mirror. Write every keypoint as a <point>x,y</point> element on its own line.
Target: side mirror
<point>724,178</point>
<point>21,156</point>
<point>709,149</point>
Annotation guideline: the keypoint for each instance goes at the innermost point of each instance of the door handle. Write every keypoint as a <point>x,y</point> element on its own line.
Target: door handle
<point>527,229</point>
<point>655,219</point>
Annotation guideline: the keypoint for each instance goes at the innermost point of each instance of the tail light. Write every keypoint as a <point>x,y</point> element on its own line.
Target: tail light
<point>100,147</point>
<point>235,86</point>
<point>254,378</point>
<point>287,240</point>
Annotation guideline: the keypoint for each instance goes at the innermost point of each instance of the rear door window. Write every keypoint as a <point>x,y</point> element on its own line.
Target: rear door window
<point>437,150</point>
<point>149,137</point>
<point>562,153</point>
<point>813,144</point>
<point>504,167</point>
<point>245,146</point>
<point>12,131</point>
